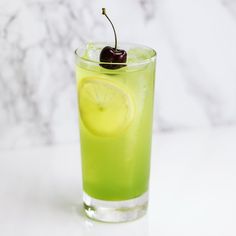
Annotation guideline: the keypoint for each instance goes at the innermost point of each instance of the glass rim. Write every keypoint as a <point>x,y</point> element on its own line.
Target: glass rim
<point>145,61</point>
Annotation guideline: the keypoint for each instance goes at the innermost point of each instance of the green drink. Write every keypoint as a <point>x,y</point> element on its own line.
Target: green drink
<point>115,117</point>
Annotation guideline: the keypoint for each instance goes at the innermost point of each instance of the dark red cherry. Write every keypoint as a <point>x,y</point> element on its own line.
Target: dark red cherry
<point>112,55</point>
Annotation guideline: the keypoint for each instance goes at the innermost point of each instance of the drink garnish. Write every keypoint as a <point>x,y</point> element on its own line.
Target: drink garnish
<point>112,54</point>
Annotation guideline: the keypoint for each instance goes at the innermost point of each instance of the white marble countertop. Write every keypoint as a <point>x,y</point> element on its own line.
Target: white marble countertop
<point>192,189</point>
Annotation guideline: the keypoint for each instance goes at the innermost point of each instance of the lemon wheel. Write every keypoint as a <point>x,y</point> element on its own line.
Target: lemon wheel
<point>106,109</point>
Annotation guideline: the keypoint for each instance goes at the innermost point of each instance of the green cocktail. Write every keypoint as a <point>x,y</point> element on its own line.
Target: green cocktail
<point>115,116</point>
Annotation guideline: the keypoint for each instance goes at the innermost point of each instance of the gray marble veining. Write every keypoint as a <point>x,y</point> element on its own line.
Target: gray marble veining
<point>196,70</point>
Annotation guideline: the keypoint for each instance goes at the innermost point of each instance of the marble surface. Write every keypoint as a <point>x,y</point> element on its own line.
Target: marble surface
<point>196,71</point>
<point>192,189</point>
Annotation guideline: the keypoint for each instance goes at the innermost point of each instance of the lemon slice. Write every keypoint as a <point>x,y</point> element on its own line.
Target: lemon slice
<point>106,109</point>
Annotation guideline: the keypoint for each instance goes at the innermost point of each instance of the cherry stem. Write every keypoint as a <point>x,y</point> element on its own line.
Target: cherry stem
<point>104,13</point>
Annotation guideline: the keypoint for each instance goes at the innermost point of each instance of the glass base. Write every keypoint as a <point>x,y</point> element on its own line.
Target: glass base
<point>115,211</point>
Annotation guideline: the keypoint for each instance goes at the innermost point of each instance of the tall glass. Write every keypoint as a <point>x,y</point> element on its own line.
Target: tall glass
<point>115,116</point>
